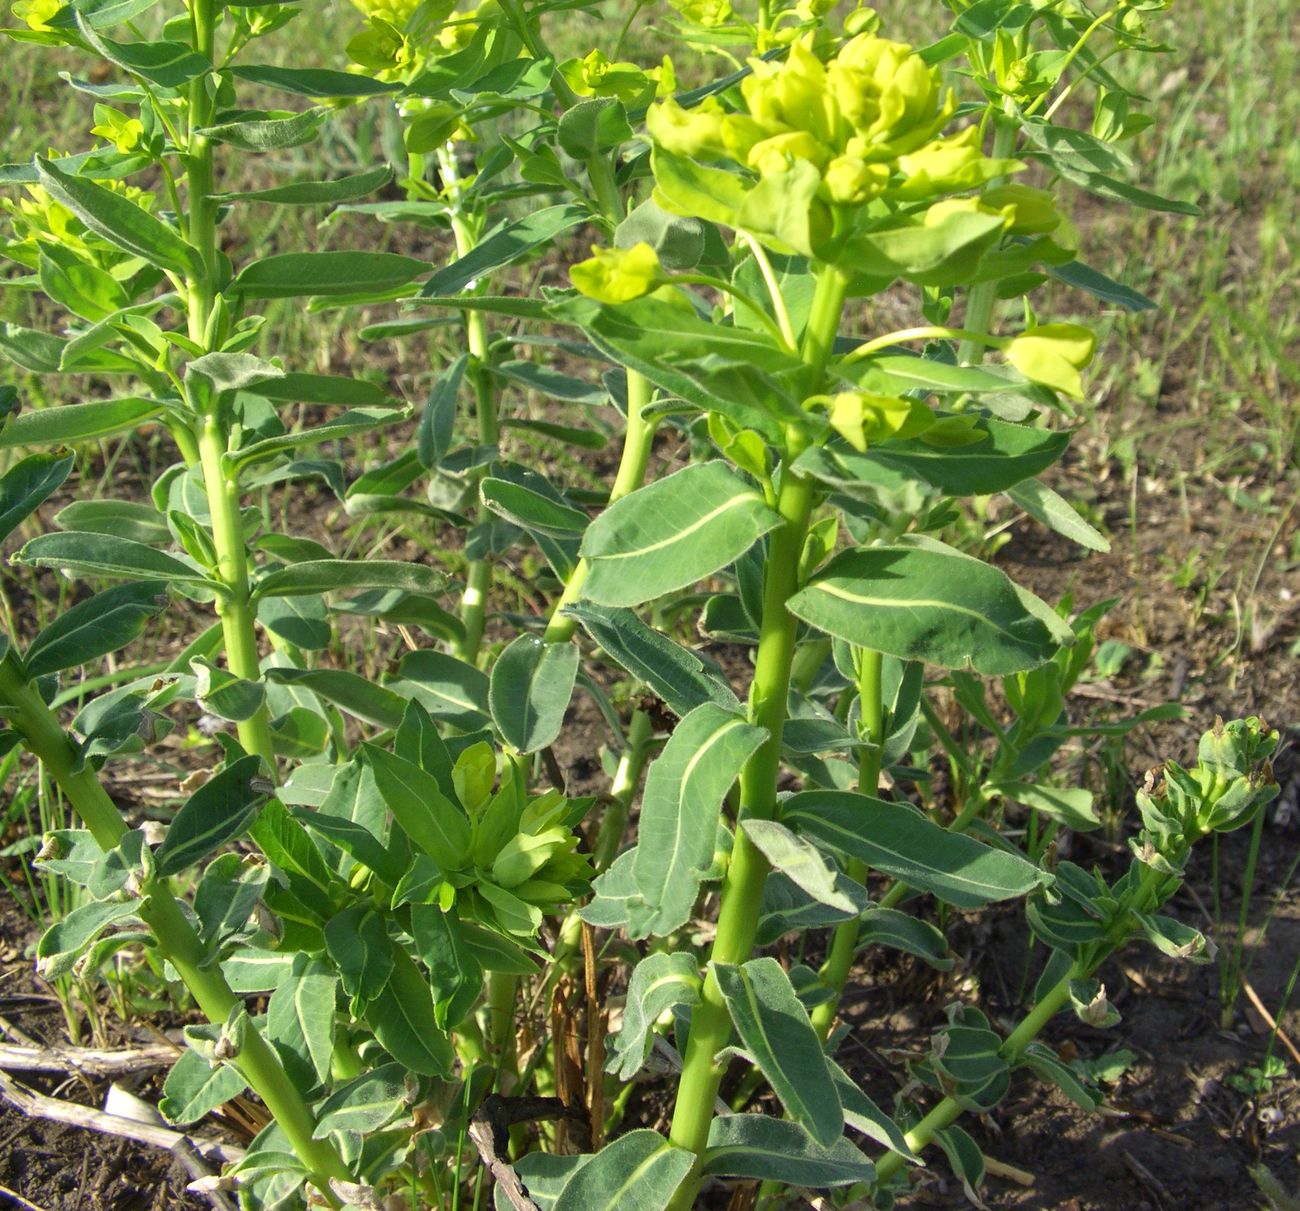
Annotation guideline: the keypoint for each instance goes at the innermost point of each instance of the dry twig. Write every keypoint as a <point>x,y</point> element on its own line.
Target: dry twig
<point>39,1106</point>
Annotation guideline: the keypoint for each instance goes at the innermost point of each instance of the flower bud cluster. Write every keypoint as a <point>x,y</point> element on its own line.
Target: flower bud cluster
<point>868,121</point>
<point>1231,781</point>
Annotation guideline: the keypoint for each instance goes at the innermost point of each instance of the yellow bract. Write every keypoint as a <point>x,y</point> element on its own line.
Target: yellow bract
<point>596,76</point>
<point>397,11</point>
<point>1053,355</point>
<point>619,275</point>
<point>36,13</point>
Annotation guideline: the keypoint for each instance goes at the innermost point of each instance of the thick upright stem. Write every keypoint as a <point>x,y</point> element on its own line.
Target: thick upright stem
<point>984,295</point>
<point>236,610</point>
<point>742,888</point>
<point>844,942</point>
<point>175,936</point>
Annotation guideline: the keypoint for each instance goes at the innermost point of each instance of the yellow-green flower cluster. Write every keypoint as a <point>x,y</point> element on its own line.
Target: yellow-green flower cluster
<point>619,275</point>
<point>868,121</point>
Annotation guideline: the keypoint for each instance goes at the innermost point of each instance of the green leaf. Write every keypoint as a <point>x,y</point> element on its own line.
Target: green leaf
<point>65,941</point>
<point>294,274</point>
<point>438,420</point>
<point>966,1159</point>
<point>194,1088</point>
<point>1072,806</point>
<point>28,484</point>
<point>713,367</point>
<point>537,376</point>
<point>532,682</point>
<point>107,555</point>
<point>902,931</point>
<point>77,422</point>
<point>334,575</point>
<point>455,974</point>
<point>639,1171</point>
<point>762,1148</point>
<point>1096,283</point>
<point>355,694</point>
<point>532,510</point>
<point>449,689</point>
<point>268,133</point>
<point>673,672</point>
<point>300,1020</point>
<point>592,126</point>
<point>934,605</point>
<point>167,64</point>
<point>358,421</point>
<point>120,221</point>
<point>254,969</point>
<point>673,533</point>
<point>660,982</point>
<point>312,81</point>
<point>774,1029</point>
<point>1006,455</point>
<point>862,1114</point>
<point>802,863</point>
<point>403,1020</point>
<point>224,695</point>
<point>367,1104</point>
<point>1056,513</point>
<point>125,518</point>
<point>316,193</point>
<point>504,245</point>
<point>899,840</point>
<point>436,824</point>
<point>679,814</point>
<point>93,628</point>
<point>219,811</point>
<point>357,942</point>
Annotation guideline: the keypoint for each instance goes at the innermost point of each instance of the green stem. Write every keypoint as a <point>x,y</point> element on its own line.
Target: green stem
<point>1151,889</point>
<point>478,574</point>
<point>236,609</point>
<point>844,941</point>
<point>742,886</point>
<point>175,935</point>
<point>983,295</point>
<point>637,442</point>
<point>627,777</point>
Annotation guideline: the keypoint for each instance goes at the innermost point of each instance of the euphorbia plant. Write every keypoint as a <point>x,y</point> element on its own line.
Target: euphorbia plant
<point>383,856</point>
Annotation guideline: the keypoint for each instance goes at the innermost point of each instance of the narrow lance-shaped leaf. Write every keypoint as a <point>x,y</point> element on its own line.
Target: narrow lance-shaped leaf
<point>676,674</point>
<point>921,604</point>
<point>77,422</point>
<point>28,484</point>
<point>531,684</point>
<point>403,1020</point>
<point>300,1019</point>
<point>332,575</point>
<point>93,628</point>
<point>774,1028</point>
<point>762,1148</point>
<point>660,982</point>
<point>218,812</point>
<point>679,814</point>
<point>109,556</point>
<point>120,221</point>
<point>899,840</point>
<point>504,246</point>
<point>672,533</point>
<point>429,818</point>
<point>639,1171</point>
<point>293,274</point>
